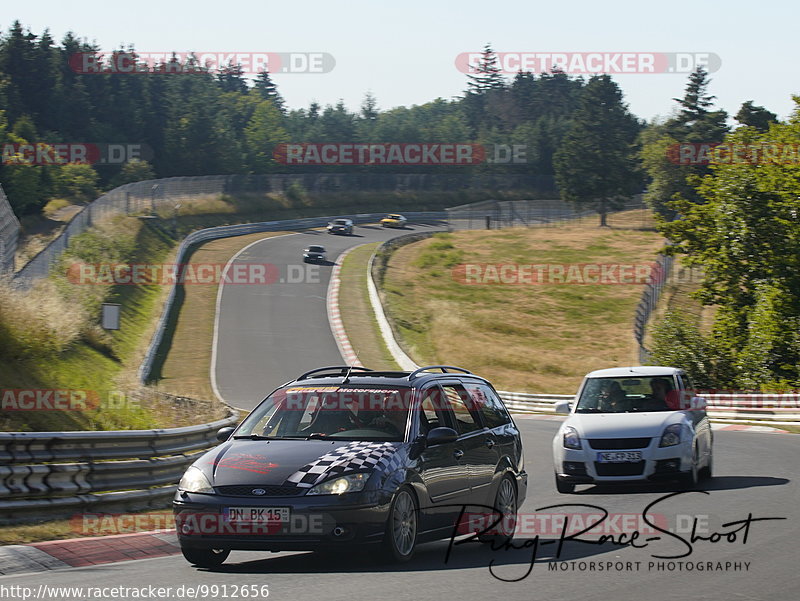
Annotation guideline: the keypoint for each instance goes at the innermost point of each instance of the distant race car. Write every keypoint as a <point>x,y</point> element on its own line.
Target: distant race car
<point>394,220</point>
<point>341,226</point>
<point>633,424</point>
<point>314,254</point>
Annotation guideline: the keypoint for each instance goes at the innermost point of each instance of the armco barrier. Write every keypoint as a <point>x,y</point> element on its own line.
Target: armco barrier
<point>57,474</point>
<point>723,408</point>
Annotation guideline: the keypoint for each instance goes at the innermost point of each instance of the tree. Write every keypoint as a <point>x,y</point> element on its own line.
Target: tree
<point>264,131</point>
<point>487,74</point>
<point>135,170</point>
<point>594,164</point>
<point>695,123</point>
<point>746,237</point>
<point>267,90</point>
<point>755,116</point>
<point>231,78</point>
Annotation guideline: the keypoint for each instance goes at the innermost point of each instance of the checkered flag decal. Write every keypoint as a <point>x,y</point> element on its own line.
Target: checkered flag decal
<point>352,457</point>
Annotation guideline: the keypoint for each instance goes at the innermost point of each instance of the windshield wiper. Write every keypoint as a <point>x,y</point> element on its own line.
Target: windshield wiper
<point>254,437</point>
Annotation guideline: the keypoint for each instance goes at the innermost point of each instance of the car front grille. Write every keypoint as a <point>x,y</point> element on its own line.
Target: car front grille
<point>269,491</point>
<point>619,469</point>
<point>618,443</point>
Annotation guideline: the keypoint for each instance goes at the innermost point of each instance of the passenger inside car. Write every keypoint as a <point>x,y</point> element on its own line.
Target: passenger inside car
<point>661,389</point>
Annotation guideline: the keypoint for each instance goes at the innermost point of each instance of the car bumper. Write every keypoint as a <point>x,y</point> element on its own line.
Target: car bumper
<point>326,521</point>
<point>658,464</point>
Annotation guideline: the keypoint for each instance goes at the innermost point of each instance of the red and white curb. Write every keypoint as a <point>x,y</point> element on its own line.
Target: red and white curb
<point>335,317</point>
<point>82,552</point>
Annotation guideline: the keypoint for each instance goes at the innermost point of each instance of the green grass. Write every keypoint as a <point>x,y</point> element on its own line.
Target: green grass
<point>535,338</point>
<point>356,311</point>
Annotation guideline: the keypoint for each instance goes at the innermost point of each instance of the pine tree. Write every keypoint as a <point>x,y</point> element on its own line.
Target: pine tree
<point>267,90</point>
<point>755,116</point>
<point>487,75</point>
<point>594,164</point>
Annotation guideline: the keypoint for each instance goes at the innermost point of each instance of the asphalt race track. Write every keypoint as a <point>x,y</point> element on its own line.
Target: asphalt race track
<point>756,474</point>
<point>270,334</point>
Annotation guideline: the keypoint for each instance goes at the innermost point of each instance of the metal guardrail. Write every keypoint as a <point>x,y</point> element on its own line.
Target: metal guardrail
<point>229,231</point>
<point>726,408</point>
<point>56,474</point>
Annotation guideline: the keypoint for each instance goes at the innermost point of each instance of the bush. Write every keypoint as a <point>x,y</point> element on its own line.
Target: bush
<point>678,343</point>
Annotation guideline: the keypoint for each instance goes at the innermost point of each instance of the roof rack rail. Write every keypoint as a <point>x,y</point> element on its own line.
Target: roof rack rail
<point>341,369</point>
<point>444,369</point>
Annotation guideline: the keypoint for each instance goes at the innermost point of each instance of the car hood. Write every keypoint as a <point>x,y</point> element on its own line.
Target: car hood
<point>649,424</point>
<point>301,463</point>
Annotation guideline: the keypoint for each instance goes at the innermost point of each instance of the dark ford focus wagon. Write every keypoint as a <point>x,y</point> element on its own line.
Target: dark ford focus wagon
<point>346,456</point>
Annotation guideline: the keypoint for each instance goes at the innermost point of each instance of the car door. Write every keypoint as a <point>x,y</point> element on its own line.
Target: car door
<point>476,442</point>
<point>442,467</point>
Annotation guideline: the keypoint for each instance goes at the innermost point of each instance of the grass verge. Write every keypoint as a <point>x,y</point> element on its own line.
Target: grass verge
<point>184,363</point>
<point>62,529</point>
<point>531,338</point>
<point>356,311</point>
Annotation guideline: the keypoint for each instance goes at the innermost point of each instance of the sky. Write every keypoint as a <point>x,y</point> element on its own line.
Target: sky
<point>404,53</point>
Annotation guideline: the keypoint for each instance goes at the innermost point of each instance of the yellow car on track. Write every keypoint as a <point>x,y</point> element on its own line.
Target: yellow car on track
<point>394,220</point>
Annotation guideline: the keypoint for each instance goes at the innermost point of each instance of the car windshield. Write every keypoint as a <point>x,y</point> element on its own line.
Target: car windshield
<point>316,249</point>
<point>629,395</point>
<point>340,412</point>
<point>340,222</point>
<point>393,217</point>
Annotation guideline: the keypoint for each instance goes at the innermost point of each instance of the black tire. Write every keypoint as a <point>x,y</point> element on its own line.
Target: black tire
<point>402,525</point>
<point>565,488</point>
<point>505,501</point>
<point>690,480</point>
<point>206,558</point>
<point>708,471</point>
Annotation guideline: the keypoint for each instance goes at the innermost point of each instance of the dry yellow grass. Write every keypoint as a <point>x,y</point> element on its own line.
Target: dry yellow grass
<point>535,338</point>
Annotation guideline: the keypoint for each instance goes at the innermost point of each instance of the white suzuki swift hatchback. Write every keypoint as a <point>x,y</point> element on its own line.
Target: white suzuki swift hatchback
<point>633,424</point>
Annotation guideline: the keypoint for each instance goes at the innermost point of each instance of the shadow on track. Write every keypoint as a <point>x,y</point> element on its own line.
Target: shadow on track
<point>512,563</point>
<point>715,483</point>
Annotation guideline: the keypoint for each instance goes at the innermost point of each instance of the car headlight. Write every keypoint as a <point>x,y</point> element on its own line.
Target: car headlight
<point>571,438</point>
<point>671,436</point>
<point>338,486</point>
<point>194,480</point>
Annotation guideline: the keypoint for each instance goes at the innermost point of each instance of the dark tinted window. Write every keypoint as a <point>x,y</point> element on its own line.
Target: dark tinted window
<point>490,406</point>
<point>460,402</point>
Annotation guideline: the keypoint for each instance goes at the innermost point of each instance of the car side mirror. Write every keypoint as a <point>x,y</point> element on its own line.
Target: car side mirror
<point>698,404</point>
<point>224,434</point>
<point>563,407</point>
<point>441,436</point>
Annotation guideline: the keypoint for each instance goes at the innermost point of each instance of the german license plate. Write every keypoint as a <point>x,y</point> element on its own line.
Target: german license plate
<point>257,515</point>
<point>619,457</point>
